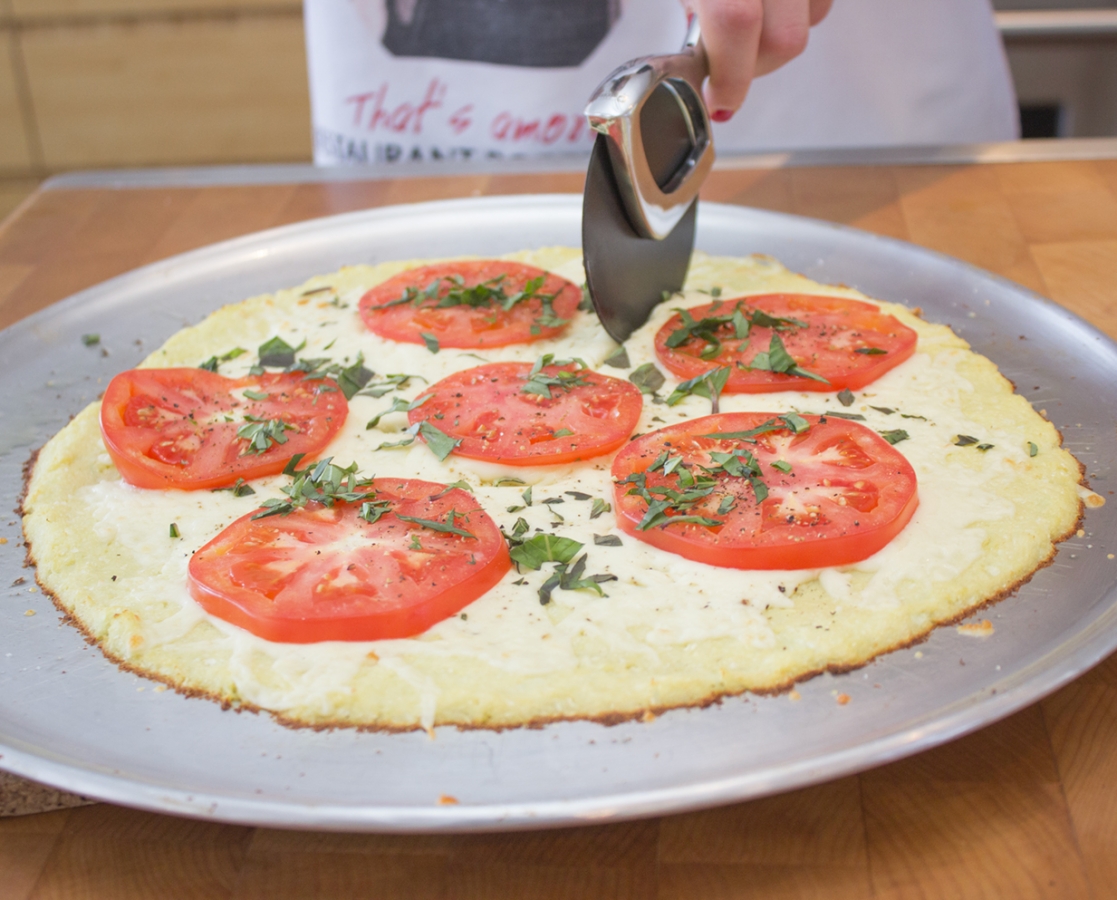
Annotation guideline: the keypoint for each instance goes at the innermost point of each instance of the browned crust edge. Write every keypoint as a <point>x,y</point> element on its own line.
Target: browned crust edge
<point>608,719</point>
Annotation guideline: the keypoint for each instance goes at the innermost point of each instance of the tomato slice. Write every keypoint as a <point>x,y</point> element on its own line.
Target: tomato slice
<point>325,574</point>
<point>836,492</point>
<point>488,409</point>
<point>462,304</point>
<point>848,343</point>
<point>177,428</point>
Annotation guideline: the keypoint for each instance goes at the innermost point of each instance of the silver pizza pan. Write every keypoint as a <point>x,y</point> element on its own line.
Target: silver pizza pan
<point>70,718</point>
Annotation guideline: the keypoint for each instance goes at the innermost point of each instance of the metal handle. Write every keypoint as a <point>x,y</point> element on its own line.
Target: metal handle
<point>656,201</point>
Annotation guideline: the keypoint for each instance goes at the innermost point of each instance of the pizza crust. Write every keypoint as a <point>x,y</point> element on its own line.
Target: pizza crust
<point>672,632</point>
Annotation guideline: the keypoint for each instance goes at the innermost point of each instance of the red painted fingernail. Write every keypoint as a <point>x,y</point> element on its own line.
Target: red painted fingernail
<point>721,115</point>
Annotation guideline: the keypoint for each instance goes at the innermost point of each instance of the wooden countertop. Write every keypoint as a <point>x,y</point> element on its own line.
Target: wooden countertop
<point>1024,808</point>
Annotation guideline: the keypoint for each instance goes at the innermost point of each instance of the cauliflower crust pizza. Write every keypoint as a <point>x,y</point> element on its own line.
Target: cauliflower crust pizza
<point>437,493</point>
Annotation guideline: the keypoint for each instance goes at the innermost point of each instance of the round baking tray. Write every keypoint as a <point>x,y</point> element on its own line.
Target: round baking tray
<point>70,718</point>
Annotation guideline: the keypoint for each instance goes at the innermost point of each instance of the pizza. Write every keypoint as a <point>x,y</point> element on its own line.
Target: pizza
<point>437,493</point>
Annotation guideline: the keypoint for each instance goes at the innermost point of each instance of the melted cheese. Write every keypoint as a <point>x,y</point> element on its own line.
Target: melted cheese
<point>669,630</point>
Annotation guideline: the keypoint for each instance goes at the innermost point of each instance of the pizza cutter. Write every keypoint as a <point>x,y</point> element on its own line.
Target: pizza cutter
<point>653,150</point>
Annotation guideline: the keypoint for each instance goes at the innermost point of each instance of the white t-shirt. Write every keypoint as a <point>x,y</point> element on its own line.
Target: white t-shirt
<point>395,80</point>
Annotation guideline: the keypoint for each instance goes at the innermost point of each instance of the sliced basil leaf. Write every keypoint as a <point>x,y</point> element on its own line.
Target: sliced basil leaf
<point>276,352</point>
<point>618,359</point>
<point>439,442</point>
<point>352,379</point>
<point>607,540</point>
<point>543,548</point>
<point>845,397</point>
<point>434,525</point>
<point>895,436</point>
<point>647,378</point>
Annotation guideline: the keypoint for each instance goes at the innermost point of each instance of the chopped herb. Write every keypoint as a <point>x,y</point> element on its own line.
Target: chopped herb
<point>276,352</point>
<point>618,359</point>
<point>883,409</point>
<point>430,340</point>
<point>174,532</point>
<point>325,483</point>
<point>578,495</point>
<point>834,414</point>
<point>607,540</point>
<point>870,351</point>
<point>398,405</point>
<point>647,378</point>
<point>317,290</point>
<point>782,465</point>
<point>513,509</point>
<point>726,505</point>
<point>964,440</point>
<point>389,384</point>
<point>261,433</point>
<point>464,485</point>
<point>551,500</point>
<point>255,395</point>
<point>543,548</point>
<point>777,359</point>
<point>443,293</point>
<point>845,397</point>
<point>984,447</point>
<point>439,442</point>
<point>211,364</point>
<point>796,422</point>
<point>90,339</point>
<point>708,384</point>
<point>1033,450</point>
<point>570,578</point>
<point>540,383</point>
<point>735,325</point>
<point>599,506</point>
<point>354,378</point>
<point>240,489</point>
<point>906,416</point>
<point>415,545</point>
<point>447,527</point>
<point>791,421</point>
<point>527,496</point>
<point>505,480</point>
<point>563,432</point>
<point>895,436</point>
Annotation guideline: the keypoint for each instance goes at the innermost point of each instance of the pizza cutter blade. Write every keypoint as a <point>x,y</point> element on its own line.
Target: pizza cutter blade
<point>653,150</point>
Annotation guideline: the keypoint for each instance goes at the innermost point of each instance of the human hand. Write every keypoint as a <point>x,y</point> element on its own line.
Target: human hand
<point>747,38</point>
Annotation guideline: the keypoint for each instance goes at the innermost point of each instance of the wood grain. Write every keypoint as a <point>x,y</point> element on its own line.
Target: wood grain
<point>15,152</point>
<point>166,93</point>
<point>1023,808</point>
